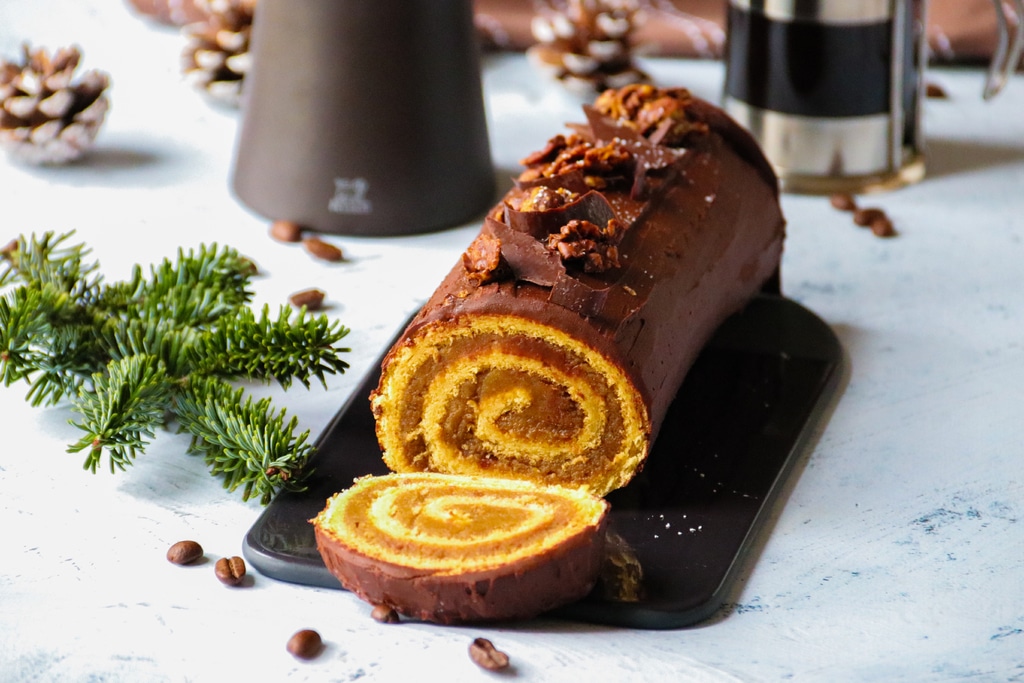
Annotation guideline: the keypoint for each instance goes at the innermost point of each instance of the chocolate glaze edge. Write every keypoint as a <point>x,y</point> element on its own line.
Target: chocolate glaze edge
<point>517,590</point>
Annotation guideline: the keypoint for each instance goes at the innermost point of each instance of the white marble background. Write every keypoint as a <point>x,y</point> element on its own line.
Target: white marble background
<point>898,554</point>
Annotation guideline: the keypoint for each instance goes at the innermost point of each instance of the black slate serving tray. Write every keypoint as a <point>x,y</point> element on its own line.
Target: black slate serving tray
<point>750,405</point>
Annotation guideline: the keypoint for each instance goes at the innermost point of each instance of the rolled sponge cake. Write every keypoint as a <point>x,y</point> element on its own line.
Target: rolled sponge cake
<point>551,351</point>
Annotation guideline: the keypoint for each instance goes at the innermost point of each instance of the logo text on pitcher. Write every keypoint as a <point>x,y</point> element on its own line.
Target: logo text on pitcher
<point>350,196</point>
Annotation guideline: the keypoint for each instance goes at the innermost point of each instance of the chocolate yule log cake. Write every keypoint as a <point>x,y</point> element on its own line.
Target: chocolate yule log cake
<point>535,378</point>
<point>453,549</point>
<point>552,350</point>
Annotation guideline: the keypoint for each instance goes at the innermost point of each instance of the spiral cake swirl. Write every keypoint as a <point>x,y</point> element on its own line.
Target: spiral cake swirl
<point>449,549</point>
<point>499,395</point>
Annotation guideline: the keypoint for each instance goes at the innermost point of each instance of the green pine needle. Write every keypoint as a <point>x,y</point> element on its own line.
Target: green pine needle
<point>245,441</point>
<point>281,349</point>
<point>121,413</point>
<point>132,354</point>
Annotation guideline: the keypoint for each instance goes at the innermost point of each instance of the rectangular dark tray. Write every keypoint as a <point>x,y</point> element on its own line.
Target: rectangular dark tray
<point>682,528</point>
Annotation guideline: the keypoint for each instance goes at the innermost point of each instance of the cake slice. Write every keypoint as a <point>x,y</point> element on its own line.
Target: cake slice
<point>452,549</point>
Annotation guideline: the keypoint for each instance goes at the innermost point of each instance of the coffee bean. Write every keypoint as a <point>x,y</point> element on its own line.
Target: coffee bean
<point>843,201</point>
<point>305,644</point>
<point>865,217</point>
<point>882,227</point>
<point>286,231</point>
<point>312,299</point>
<point>486,656</point>
<point>230,570</point>
<point>184,552</point>
<point>322,250</point>
<point>935,91</point>
<point>384,615</point>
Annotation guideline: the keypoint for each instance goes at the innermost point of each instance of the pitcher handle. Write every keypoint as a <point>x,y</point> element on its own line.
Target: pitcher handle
<point>1009,48</point>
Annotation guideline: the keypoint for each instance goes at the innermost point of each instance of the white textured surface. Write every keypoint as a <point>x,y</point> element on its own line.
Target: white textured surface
<point>898,555</point>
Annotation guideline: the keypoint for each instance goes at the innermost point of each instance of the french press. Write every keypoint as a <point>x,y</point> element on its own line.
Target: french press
<point>833,89</point>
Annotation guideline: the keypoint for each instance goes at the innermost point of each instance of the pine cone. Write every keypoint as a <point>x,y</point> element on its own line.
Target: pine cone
<point>47,116</point>
<point>170,12</point>
<point>217,57</point>
<point>588,45</point>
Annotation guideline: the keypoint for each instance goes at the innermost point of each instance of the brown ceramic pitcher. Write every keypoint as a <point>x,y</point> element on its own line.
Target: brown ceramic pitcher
<point>364,117</point>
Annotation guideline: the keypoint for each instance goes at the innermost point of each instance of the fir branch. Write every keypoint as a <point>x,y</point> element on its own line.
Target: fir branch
<point>196,290</point>
<point>43,341</point>
<point>130,353</point>
<point>23,320</point>
<point>125,407</point>
<point>45,261</point>
<point>281,349</point>
<point>161,338</point>
<point>246,442</point>
<point>67,366</point>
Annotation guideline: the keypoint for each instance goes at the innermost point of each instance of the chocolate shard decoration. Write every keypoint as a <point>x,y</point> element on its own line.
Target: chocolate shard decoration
<point>591,206</point>
<point>528,259</point>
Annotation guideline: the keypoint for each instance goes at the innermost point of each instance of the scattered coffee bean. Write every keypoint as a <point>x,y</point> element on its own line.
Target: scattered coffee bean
<point>486,656</point>
<point>384,615</point>
<point>286,231</point>
<point>305,644</point>
<point>882,227</point>
<point>230,570</point>
<point>184,552</point>
<point>312,299</point>
<point>322,250</point>
<point>865,217</point>
<point>935,91</point>
<point>843,201</point>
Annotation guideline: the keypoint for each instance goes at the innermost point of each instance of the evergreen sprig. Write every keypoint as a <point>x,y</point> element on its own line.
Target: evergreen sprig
<point>133,356</point>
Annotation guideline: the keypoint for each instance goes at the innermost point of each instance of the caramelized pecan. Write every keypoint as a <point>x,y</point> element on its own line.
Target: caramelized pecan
<point>660,114</point>
<point>597,163</point>
<point>594,247</point>
<point>543,198</point>
<point>482,259</point>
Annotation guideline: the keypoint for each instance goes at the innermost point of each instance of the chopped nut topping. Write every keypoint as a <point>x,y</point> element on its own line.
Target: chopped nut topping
<point>548,153</point>
<point>660,114</point>
<point>542,198</point>
<point>595,247</point>
<point>564,155</point>
<point>482,259</point>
